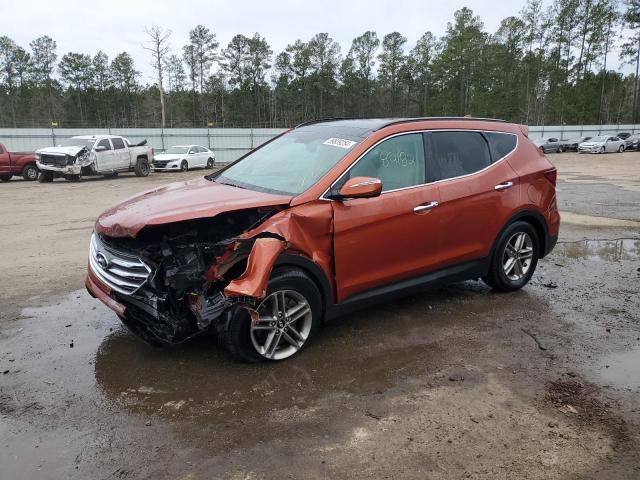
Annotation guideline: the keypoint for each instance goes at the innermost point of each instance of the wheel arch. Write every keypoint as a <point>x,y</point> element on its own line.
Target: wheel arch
<point>313,271</point>
<point>536,220</point>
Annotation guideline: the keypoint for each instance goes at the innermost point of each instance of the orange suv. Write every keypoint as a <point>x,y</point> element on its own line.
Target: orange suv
<point>329,216</point>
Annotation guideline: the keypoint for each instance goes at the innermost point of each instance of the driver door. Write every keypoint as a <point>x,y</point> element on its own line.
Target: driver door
<point>382,240</point>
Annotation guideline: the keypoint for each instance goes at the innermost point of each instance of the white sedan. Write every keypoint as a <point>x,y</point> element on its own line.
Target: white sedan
<point>184,157</point>
<point>602,144</point>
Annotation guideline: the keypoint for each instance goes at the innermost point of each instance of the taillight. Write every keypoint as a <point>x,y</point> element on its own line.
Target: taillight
<point>552,176</point>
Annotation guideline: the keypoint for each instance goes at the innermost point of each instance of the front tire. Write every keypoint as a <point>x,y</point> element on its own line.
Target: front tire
<point>142,167</point>
<point>30,173</point>
<point>45,177</point>
<point>560,150</point>
<point>515,258</point>
<point>209,163</point>
<point>602,150</point>
<point>621,149</point>
<point>184,166</point>
<point>288,317</point>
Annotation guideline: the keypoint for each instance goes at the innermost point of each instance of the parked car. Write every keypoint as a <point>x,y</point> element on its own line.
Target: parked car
<point>184,157</point>
<point>623,135</point>
<point>602,144</point>
<point>551,145</point>
<point>571,145</point>
<point>17,163</point>
<point>93,155</point>
<point>325,218</point>
<point>632,142</point>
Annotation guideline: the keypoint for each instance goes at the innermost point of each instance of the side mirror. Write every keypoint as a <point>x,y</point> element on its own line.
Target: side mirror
<point>361,187</point>
<point>192,153</point>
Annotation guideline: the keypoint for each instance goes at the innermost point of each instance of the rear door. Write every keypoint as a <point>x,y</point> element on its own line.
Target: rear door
<point>478,189</point>
<point>104,158</point>
<point>122,158</point>
<point>378,241</point>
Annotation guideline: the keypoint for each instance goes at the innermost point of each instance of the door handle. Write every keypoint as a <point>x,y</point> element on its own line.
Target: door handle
<point>504,186</point>
<point>425,207</point>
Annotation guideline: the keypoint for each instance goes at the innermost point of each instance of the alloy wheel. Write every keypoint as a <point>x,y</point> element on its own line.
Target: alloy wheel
<point>517,256</point>
<point>283,326</point>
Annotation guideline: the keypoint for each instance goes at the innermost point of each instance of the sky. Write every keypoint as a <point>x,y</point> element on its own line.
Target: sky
<point>115,26</point>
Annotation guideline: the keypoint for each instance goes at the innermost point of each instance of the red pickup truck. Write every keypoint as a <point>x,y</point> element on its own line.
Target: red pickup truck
<point>17,163</point>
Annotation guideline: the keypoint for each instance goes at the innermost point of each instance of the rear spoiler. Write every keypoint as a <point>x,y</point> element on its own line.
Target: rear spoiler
<point>525,130</point>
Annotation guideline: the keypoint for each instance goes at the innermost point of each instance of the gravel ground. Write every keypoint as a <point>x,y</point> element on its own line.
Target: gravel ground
<point>457,383</point>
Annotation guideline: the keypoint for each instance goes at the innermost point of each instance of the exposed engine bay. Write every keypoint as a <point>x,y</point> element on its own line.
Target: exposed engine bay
<point>189,268</point>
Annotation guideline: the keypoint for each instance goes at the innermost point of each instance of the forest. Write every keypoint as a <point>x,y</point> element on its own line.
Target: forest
<point>570,62</point>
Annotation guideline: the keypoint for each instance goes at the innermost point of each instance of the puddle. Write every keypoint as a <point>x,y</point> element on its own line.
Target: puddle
<point>624,369</point>
<point>601,250</point>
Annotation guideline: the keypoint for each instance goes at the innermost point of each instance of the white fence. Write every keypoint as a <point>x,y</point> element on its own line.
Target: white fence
<point>231,143</point>
<point>228,143</point>
<point>567,132</point>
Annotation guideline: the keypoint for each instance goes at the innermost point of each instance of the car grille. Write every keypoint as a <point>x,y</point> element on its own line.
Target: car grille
<point>160,163</point>
<point>55,160</point>
<point>123,272</point>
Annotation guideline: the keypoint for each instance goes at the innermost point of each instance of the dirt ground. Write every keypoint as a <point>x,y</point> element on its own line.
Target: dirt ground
<point>459,383</point>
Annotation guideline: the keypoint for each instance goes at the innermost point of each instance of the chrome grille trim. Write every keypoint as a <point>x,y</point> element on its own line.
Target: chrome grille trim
<point>124,273</point>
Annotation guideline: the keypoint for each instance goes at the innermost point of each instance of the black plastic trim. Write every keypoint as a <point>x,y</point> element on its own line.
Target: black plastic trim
<point>456,273</point>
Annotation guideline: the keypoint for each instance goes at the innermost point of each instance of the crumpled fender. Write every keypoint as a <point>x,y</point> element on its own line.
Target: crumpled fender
<point>253,282</point>
<point>306,229</point>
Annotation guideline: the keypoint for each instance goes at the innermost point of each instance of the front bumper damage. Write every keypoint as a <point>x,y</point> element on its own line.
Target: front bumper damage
<point>195,274</point>
<point>65,164</point>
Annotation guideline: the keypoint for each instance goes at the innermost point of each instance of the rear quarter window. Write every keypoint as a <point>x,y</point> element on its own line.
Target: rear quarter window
<point>502,144</point>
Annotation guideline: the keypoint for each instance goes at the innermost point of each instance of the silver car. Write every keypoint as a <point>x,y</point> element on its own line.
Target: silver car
<point>602,144</point>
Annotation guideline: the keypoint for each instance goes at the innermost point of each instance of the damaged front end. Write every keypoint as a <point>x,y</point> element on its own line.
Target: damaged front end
<point>175,281</point>
<point>65,161</point>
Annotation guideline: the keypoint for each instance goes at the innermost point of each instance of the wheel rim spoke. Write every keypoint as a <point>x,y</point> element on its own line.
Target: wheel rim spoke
<point>283,326</point>
<point>509,264</point>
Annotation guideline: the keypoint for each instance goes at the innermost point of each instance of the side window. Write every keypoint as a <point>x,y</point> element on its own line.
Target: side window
<point>201,149</point>
<point>502,144</point>
<point>104,143</point>
<point>398,162</point>
<point>118,144</point>
<point>193,149</point>
<point>459,153</point>
<point>552,140</point>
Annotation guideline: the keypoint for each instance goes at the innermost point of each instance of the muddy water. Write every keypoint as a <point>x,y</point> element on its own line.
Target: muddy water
<point>623,249</point>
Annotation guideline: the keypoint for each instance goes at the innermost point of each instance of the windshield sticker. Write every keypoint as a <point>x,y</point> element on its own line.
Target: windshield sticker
<point>339,142</point>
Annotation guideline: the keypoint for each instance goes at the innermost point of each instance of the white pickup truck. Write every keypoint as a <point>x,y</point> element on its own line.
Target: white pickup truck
<point>93,155</point>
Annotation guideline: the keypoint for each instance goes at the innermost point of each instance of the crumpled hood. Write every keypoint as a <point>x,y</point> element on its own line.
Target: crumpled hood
<point>180,201</point>
<point>169,156</point>
<point>71,151</point>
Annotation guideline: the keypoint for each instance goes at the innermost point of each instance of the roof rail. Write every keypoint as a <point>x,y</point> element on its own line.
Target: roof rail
<point>426,119</point>
<point>322,120</point>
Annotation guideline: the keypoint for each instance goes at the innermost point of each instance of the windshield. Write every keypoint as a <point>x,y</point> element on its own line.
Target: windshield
<point>176,150</point>
<point>293,162</point>
<point>78,142</point>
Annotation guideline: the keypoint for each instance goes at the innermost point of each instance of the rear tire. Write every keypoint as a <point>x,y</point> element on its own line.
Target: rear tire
<point>30,173</point>
<point>45,177</point>
<point>141,168</point>
<point>513,263</point>
<point>242,341</point>
<point>5,178</point>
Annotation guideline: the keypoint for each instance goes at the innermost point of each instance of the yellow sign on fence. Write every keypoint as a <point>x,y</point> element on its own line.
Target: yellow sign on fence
<point>54,124</point>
